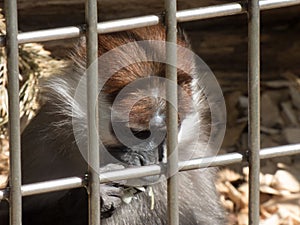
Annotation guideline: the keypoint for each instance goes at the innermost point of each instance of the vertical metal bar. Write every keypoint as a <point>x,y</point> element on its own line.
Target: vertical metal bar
<point>172,117</point>
<point>254,108</point>
<point>14,111</point>
<point>92,92</point>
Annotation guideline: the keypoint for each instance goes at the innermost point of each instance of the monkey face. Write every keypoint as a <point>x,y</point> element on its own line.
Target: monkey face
<point>136,137</point>
<point>132,129</point>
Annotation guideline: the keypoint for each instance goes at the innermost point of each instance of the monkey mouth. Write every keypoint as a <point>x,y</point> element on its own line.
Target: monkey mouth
<point>145,154</point>
<point>144,181</point>
<point>141,158</point>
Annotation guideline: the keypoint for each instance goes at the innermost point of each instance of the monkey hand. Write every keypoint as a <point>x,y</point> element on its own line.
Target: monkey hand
<point>110,194</point>
<point>111,199</point>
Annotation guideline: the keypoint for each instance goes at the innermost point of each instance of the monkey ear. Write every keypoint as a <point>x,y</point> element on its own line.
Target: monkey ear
<point>190,138</point>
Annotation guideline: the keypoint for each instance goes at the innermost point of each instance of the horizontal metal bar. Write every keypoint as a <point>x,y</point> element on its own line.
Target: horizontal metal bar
<point>274,4</point>
<point>209,12</point>
<point>129,173</point>
<point>229,9</point>
<point>152,170</point>
<point>127,24</point>
<point>136,22</point>
<point>46,186</point>
<point>49,186</point>
<point>50,34</point>
<point>76,31</point>
<point>284,150</point>
<point>221,160</point>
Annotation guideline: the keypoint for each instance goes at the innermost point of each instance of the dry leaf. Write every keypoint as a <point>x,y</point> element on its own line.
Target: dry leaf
<point>3,181</point>
<point>283,180</point>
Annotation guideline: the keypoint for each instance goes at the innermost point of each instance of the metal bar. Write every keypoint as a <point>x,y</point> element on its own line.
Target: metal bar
<point>50,186</point>
<point>50,34</point>
<point>76,31</point>
<point>127,24</point>
<point>221,160</point>
<point>92,93</point>
<point>273,4</point>
<point>129,173</point>
<point>229,9</point>
<point>136,22</point>
<point>12,51</point>
<point>254,109</point>
<point>209,12</point>
<point>284,150</point>
<point>172,117</point>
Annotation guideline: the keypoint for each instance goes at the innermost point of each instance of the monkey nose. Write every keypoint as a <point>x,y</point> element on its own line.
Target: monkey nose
<point>158,122</point>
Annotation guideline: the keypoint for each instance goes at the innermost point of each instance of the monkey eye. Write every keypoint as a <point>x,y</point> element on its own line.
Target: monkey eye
<point>141,134</point>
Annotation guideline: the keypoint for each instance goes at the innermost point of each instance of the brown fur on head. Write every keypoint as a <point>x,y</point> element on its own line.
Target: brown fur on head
<point>112,55</point>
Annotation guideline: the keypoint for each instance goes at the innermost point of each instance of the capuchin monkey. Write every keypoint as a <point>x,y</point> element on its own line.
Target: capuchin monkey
<point>53,144</point>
